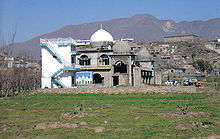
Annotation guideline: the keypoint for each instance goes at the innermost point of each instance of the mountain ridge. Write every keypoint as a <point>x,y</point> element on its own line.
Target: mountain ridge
<point>142,27</point>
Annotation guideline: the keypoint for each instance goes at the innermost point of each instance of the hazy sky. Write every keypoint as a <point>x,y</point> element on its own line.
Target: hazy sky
<point>35,17</point>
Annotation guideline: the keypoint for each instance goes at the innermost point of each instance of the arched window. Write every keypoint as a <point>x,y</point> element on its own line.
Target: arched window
<point>97,79</point>
<point>120,67</point>
<point>104,60</point>
<point>84,60</point>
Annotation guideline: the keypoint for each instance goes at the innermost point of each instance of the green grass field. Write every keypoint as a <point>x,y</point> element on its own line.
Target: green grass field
<point>126,115</point>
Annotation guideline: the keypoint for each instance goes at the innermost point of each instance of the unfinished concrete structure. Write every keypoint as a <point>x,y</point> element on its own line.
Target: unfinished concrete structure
<point>100,61</point>
<point>187,38</point>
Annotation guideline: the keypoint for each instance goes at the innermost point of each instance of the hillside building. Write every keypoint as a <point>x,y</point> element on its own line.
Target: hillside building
<point>181,38</point>
<point>98,62</point>
<point>215,46</point>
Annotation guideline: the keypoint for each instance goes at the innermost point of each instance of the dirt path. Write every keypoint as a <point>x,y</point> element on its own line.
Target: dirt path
<point>115,90</point>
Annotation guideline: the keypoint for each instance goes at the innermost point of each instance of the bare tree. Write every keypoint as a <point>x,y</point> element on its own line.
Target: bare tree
<point>18,79</point>
<point>14,79</point>
<point>6,45</point>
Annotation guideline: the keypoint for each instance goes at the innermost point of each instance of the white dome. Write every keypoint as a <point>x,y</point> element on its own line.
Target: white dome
<point>101,35</point>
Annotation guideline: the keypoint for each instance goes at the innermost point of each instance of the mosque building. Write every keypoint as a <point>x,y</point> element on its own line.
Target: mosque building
<point>98,62</point>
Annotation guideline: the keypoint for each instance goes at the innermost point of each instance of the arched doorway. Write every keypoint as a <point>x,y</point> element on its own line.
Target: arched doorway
<point>97,79</point>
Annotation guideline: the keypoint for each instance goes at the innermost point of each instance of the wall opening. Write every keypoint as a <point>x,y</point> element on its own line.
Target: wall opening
<point>84,60</point>
<point>97,79</point>
<point>120,67</point>
<point>104,60</point>
<point>73,81</point>
<point>115,80</point>
<point>146,76</point>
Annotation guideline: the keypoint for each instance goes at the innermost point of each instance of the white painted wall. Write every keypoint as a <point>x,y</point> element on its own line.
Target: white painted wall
<point>50,65</point>
<point>66,78</point>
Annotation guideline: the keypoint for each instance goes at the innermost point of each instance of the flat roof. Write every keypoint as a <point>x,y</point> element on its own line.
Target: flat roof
<point>181,36</point>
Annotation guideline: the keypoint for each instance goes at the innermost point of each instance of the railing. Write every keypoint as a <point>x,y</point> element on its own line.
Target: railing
<point>58,40</point>
<point>75,52</point>
<point>58,82</point>
<point>66,65</point>
<point>59,71</point>
<point>63,69</point>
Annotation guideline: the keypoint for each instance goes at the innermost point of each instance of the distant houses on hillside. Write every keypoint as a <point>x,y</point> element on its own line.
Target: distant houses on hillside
<point>7,61</point>
<point>215,46</point>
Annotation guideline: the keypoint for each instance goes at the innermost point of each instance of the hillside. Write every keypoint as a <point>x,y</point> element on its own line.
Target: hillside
<point>142,27</point>
<point>184,54</point>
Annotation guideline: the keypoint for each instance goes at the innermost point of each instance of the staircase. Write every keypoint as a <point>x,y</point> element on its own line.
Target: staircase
<point>66,65</point>
<point>59,83</point>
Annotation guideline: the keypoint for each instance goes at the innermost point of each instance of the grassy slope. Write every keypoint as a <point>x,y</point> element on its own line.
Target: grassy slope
<point>19,115</point>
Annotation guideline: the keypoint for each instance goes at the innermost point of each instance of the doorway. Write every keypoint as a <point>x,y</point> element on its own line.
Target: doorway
<point>73,81</point>
<point>115,80</point>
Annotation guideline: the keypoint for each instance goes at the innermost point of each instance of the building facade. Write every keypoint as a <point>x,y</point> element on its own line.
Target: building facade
<point>100,61</point>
